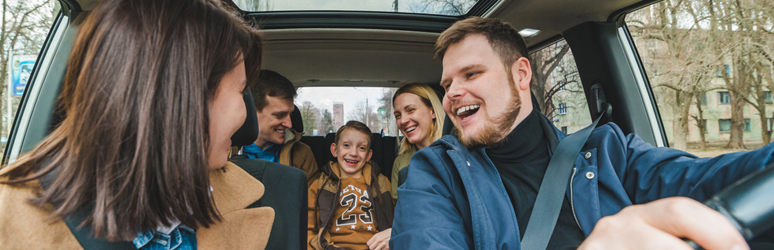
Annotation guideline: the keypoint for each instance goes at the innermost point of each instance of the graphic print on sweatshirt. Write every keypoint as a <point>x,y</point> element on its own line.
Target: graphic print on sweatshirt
<point>354,209</point>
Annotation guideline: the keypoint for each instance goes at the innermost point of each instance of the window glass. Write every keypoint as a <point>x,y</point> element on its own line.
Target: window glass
<point>442,7</point>
<point>27,24</point>
<point>719,50</point>
<point>325,109</point>
<point>557,87</point>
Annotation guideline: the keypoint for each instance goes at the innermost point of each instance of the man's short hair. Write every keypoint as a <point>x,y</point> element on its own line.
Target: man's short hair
<point>503,38</point>
<point>272,84</point>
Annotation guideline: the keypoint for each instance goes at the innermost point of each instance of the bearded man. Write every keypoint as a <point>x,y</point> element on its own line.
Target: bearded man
<point>477,188</point>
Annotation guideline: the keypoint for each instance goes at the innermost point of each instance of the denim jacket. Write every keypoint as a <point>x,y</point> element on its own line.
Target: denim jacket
<point>180,238</point>
<point>454,197</point>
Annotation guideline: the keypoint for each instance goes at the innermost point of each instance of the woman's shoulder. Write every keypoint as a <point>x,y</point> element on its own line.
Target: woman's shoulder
<point>402,160</point>
<point>31,226</point>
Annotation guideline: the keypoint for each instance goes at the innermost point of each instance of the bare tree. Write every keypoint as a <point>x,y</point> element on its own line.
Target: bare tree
<point>678,64</point>
<point>25,25</point>
<point>325,124</point>
<point>445,7</point>
<point>254,5</point>
<point>309,115</point>
<point>553,71</point>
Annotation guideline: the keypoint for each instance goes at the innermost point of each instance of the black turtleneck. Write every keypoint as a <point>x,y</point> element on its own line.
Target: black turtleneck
<point>521,159</point>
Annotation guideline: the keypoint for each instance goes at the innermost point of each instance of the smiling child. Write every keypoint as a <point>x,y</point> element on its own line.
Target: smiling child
<point>350,205</point>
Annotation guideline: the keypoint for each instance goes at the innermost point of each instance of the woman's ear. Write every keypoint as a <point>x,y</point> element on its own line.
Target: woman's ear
<point>432,112</point>
<point>333,150</point>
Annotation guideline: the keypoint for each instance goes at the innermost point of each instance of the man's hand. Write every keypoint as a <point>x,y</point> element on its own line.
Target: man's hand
<point>380,241</point>
<point>661,224</point>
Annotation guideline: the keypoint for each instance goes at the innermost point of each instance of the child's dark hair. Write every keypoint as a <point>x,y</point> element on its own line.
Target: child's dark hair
<point>356,125</point>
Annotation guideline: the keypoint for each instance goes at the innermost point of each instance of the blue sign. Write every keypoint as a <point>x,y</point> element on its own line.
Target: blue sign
<point>21,74</point>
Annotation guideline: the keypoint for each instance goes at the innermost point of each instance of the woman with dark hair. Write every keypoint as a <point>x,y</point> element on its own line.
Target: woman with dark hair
<point>152,95</point>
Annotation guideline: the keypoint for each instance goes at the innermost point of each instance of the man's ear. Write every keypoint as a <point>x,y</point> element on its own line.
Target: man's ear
<point>370,153</point>
<point>522,73</point>
<point>333,150</point>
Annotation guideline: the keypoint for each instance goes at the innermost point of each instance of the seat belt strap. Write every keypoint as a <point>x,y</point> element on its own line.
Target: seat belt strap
<point>548,203</point>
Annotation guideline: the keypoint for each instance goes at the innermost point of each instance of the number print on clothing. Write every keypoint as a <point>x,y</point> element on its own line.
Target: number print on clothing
<point>366,217</point>
<point>358,204</point>
<point>347,200</point>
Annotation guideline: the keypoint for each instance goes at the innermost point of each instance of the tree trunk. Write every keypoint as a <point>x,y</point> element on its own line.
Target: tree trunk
<point>681,123</point>
<point>736,140</point>
<point>701,123</point>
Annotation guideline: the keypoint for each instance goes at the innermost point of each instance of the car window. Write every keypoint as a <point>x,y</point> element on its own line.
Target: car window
<point>557,87</point>
<point>27,23</point>
<point>442,7</point>
<point>324,109</point>
<point>710,68</point>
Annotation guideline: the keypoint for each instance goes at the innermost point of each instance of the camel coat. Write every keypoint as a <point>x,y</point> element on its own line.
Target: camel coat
<point>24,226</point>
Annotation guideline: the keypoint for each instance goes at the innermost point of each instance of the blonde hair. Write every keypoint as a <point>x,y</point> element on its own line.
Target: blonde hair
<point>430,99</point>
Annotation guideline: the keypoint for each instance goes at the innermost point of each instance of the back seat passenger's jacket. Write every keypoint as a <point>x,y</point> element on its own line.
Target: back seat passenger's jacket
<point>323,200</point>
<point>454,197</point>
<point>297,154</point>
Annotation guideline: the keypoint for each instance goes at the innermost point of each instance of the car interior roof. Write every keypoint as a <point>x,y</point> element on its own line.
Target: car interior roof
<point>388,58</point>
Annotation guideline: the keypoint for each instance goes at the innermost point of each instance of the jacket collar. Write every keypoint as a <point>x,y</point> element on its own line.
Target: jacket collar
<point>233,189</point>
<point>333,170</point>
<point>292,136</point>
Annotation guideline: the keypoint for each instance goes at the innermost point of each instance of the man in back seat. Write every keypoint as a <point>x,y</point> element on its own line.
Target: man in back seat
<point>276,141</point>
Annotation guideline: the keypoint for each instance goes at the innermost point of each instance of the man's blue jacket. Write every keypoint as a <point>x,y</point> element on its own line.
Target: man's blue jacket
<point>454,198</point>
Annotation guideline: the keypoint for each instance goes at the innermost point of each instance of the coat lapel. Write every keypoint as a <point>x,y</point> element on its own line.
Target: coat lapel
<point>233,190</point>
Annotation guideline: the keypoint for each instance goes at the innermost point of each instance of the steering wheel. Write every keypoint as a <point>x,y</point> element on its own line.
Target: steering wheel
<point>748,204</point>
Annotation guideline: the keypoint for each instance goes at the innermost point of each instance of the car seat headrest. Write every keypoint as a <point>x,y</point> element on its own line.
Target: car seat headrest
<point>295,118</point>
<point>247,134</point>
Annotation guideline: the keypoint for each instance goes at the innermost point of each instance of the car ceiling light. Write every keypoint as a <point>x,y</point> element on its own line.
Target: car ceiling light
<point>528,32</point>
<point>353,80</point>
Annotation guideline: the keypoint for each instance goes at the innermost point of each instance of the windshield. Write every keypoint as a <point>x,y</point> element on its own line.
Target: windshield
<point>439,7</point>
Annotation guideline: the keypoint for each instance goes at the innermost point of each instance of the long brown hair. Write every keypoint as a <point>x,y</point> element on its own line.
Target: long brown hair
<point>133,144</point>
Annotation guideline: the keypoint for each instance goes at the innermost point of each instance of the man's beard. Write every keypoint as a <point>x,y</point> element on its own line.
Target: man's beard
<point>494,130</point>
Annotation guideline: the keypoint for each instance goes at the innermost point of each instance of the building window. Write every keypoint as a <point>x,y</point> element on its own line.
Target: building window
<point>562,108</point>
<point>747,124</point>
<point>564,129</point>
<point>767,97</point>
<point>724,125</point>
<point>724,97</point>
<point>704,125</point>
<point>703,98</point>
<point>728,71</point>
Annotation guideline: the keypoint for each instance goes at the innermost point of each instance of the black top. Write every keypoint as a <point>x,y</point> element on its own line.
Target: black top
<point>521,159</point>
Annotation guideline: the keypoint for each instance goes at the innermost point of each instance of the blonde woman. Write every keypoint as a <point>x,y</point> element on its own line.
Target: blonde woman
<point>419,115</point>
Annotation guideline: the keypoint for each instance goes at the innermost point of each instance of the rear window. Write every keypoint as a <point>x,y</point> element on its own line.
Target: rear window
<point>324,109</point>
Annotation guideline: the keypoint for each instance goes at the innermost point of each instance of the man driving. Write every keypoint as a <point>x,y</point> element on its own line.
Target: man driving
<point>478,187</point>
